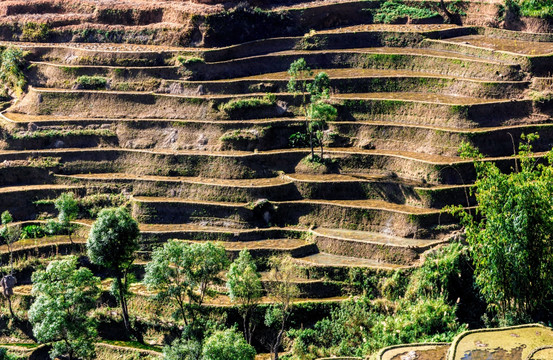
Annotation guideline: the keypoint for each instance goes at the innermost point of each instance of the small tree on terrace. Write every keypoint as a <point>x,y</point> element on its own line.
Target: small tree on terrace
<point>282,289</point>
<point>59,314</point>
<point>244,285</point>
<point>226,345</point>
<point>112,241</point>
<point>68,208</point>
<point>315,108</point>
<point>510,236</point>
<point>183,272</point>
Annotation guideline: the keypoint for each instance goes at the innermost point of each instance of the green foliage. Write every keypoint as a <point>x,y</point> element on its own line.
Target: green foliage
<point>59,314</point>
<point>421,311</point>
<point>12,63</point>
<point>183,272</point>
<point>185,60</point>
<point>436,278</point>
<point>227,344</point>
<point>91,82</point>
<point>68,208</point>
<point>393,10</point>
<point>510,233</point>
<point>244,285</point>
<point>33,232</point>
<point>5,356</point>
<point>534,8</point>
<point>248,103</point>
<point>182,349</point>
<point>112,241</point>
<point>35,32</point>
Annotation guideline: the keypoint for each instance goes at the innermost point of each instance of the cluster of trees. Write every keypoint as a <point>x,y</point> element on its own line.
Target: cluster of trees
<point>66,293</point>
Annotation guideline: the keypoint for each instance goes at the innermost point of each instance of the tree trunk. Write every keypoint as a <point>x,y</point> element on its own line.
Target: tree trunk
<point>10,306</point>
<point>123,300</point>
<point>311,143</point>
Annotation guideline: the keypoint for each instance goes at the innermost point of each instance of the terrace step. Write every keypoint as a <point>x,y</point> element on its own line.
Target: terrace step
<point>416,59</point>
<point>265,248</point>
<point>371,245</point>
<point>167,79</point>
<point>431,109</point>
<point>330,261</point>
<point>369,215</point>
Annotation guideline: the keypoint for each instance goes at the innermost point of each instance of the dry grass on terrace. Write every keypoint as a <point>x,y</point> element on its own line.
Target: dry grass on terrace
<point>99,47</point>
<point>509,45</point>
<point>240,183</point>
<point>372,237</point>
<point>388,27</point>
<point>419,97</point>
<point>269,244</point>
<point>393,51</point>
<point>323,259</point>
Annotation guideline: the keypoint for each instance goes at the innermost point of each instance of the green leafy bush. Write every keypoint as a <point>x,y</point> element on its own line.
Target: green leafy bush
<point>190,60</point>
<point>12,63</point>
<point>536,8</point>
<point>248,103</point>
<point>33,232</point>
<point>393,10</point>
<point>91,82</point>
<point>35,32</point>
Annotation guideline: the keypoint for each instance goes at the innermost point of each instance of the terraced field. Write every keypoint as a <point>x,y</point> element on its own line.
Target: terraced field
<point>155,133</point>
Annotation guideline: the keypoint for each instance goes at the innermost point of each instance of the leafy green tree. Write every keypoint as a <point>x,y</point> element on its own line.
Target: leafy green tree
<point>227,344</point>
<point>112,243</point>
<point>244,285</point>
<point>315,108</point>
<point>12,64</point>
<point>282,288</point>
<point>183,272</point>
<point>68,208</point>
<point>510,234</point>
<point>60,313</point>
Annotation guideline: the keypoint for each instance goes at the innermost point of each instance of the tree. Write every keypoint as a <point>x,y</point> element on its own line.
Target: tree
<point>282,289</point>
<point>510,235</point>
<point>244,285</point>
<point>227,344</point>
<point>68,208</point>
<point>317,110</point>
<point>183,272</point>
<point>59,314</point>
<point>112,241</point>
<point>9,234</point>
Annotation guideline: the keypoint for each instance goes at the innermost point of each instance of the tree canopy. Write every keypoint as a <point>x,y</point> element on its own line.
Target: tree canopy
<point>510,233</point>
<point>59,314</point>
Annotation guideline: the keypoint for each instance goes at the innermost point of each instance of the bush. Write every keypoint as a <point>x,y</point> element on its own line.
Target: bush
<point>393,10</point>
<point>190,60</point>
<point>536,8</point>
<point>33,232</point>
<point>91,82</point>
<point>12,63</point>
<point>35,32</point>
<point>248,103</point>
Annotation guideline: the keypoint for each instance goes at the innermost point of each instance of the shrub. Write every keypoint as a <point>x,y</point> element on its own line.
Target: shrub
<point>190,60</point>
<point>35,32</point>
<point>248,103</point>
<point>393,10</point>
<point>535,8</point>
<point>91,82</point>
<point>12,63</point>
<point>33,232</point>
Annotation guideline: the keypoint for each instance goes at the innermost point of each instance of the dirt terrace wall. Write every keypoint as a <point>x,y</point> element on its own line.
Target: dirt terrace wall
<point>367,250</point>
<point>477,69</point>
<point>159,79</point>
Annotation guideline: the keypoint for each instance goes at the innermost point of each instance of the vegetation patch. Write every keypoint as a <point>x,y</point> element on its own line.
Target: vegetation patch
<point>35,32</point>
<point>91,82</point>
<point>396,11</point>
<point>237,105</point>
